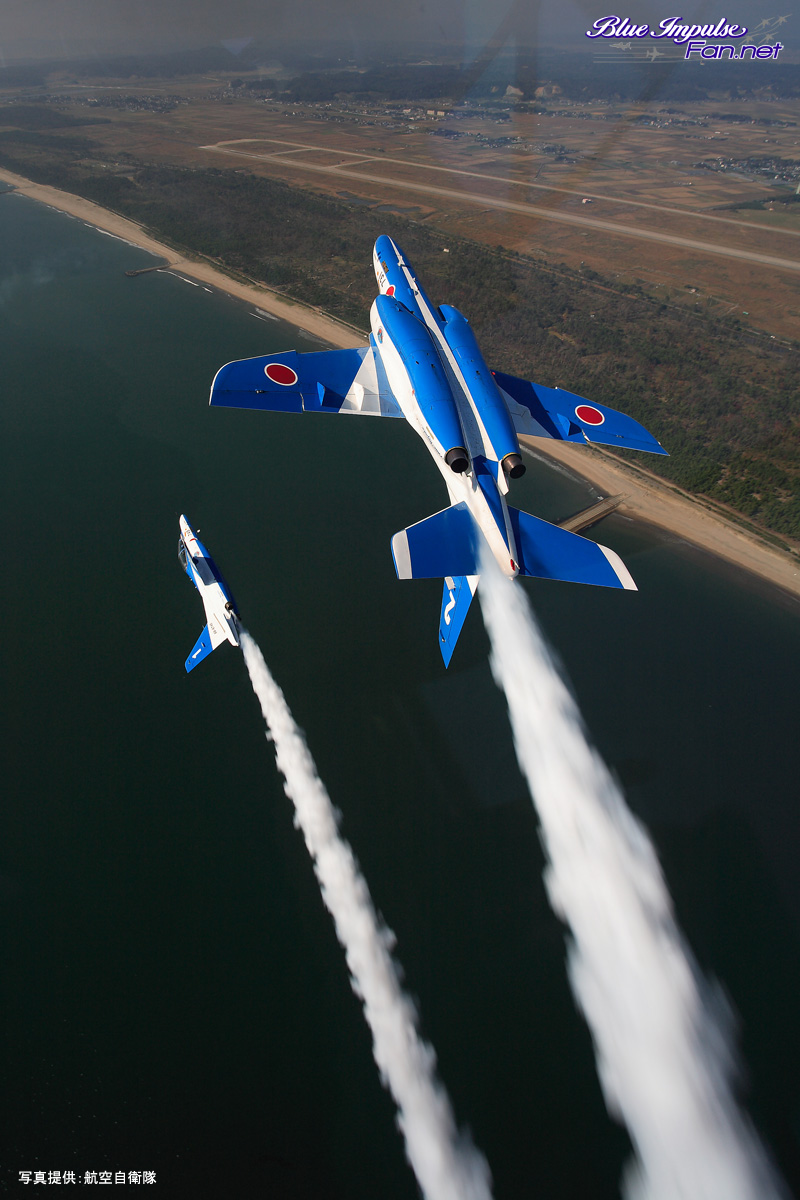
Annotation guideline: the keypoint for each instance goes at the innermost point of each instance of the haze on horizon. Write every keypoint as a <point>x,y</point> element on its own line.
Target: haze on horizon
<point>81,29</point>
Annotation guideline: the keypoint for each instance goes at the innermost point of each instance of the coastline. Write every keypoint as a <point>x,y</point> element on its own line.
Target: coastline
<point>301,315</point>
<point>651,499</point>
<point>647,497</point>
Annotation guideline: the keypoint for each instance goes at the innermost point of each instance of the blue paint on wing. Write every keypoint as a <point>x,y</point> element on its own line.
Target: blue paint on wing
<point>245,384</point>
<point>292,382</point>
<point>559,414</point>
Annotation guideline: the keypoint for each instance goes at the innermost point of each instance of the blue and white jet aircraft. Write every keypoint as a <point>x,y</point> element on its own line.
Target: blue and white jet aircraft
<point>222,619</point>
<point>423,363</point>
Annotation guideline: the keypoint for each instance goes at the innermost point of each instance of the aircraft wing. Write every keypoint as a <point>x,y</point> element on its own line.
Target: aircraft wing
<point>332,381</point>
<point>556,413</point>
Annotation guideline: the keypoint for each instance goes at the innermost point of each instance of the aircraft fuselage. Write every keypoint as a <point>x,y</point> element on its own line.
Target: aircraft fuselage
<point>448,395</point>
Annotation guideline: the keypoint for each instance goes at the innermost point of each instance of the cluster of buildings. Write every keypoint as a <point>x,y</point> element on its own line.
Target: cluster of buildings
<point>782,170</point>
<point>113,98</point>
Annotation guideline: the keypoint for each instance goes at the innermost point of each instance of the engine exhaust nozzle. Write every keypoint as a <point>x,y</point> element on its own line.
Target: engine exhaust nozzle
<point>458,460</point>
<point>513,466</point>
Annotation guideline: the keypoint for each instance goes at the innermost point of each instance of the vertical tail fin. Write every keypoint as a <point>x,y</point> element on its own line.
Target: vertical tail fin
<point>202,647</point>
<point>456,599</point>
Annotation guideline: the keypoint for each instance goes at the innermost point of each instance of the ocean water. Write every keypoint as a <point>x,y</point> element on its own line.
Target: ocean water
<point>174,999</point>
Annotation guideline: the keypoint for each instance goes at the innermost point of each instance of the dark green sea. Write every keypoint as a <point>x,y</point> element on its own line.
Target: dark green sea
<point>173,995</point>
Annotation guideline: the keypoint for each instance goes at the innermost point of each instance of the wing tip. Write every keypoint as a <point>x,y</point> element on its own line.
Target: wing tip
<point>224,367</point>
<point>618,567</point>
<point>402,555</point>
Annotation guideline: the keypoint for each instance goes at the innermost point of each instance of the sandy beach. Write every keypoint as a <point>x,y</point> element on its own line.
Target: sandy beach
<point>650,499</point>
<point>301,315</point>
<point>647,497</point>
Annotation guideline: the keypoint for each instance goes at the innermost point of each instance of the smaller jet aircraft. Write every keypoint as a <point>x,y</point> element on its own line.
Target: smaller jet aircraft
<point>221,615</point>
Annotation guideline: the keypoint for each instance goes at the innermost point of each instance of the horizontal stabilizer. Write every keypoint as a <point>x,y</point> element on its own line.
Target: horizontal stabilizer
<point>331,381</point>
<point>556,413</point>
<point>547,552</point>
<point>202,648</point>
<point>441,545</point>
<point>456,599</point>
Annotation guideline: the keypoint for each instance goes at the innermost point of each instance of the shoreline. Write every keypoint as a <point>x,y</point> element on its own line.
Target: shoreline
<point>650,499</point>
<point>306,318</point>
<point>647,497</point>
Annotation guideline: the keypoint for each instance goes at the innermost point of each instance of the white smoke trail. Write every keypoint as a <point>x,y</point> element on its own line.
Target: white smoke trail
<point>664,1064</point>
<point>445,1162</point>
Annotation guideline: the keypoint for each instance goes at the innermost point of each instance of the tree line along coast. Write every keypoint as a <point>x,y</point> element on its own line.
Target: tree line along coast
<point>720,397</point>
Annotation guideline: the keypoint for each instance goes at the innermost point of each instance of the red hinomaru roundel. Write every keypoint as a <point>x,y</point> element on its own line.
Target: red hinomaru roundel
<point>390,290</point>
<point>280,373</point>
<point>589,414</point>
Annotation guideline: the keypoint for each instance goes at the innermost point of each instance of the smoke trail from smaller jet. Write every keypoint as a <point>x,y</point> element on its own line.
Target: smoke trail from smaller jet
<point>445,1162</point>
<point>664,1062</point>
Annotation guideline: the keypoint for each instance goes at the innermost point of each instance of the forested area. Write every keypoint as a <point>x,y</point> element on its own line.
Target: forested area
<point>722,401</point>
<point>578,77</point>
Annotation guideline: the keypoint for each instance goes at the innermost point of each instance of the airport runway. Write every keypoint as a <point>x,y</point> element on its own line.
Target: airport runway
<point>343,171</point>
<point>358,155</point>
